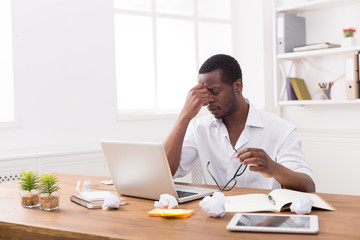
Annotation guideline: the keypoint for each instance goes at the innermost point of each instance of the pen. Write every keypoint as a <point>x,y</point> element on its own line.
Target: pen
<point>271,200</point>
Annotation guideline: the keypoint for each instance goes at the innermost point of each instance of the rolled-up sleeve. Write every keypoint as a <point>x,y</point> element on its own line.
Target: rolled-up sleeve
<point>291,156</point>
<point>189,153</point>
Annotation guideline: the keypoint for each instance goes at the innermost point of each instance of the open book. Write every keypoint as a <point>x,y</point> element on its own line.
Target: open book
<point>276,201</point>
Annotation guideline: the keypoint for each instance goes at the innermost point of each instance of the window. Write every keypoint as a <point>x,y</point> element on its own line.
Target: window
<point>6,64</point>
<point>159,46</point>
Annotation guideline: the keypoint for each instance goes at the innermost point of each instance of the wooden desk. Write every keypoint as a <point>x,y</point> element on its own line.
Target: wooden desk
<point>130,221</point>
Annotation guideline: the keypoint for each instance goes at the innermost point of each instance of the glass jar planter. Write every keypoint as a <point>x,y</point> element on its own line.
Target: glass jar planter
<point>49,202</point>
<point>29,199</point>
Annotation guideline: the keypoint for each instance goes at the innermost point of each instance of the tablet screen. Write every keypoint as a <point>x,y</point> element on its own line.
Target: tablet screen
<point>289,223</point>
<point>274,221</point>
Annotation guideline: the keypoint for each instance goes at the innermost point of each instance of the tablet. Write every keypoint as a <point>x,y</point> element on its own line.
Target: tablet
<point>283,223</point>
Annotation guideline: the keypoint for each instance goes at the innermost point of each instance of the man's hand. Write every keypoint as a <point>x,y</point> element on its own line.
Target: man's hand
<point>197,97</point>
<point>258,161</point>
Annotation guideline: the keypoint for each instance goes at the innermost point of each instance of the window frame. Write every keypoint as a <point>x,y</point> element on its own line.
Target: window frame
<point>161,113</point>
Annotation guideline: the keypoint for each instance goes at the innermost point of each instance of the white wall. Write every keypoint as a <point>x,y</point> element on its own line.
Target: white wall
<point>65,79</point>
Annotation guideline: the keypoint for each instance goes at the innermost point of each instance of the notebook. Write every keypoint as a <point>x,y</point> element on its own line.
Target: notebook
<point>142,170</point>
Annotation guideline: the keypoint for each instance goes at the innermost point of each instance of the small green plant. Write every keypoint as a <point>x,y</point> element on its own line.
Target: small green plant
<point>29,180</point>
<point>48,183</point>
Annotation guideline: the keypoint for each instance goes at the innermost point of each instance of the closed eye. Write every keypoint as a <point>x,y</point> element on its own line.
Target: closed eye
<point>214,91</point>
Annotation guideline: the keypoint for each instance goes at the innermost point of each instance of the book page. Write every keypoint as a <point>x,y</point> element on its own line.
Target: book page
<point>286,196</point>
<point>249,203</point>
<point>320,203</point>
<point>283,197</point>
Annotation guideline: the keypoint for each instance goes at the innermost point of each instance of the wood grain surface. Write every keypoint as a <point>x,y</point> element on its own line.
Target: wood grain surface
<point>131,221</point>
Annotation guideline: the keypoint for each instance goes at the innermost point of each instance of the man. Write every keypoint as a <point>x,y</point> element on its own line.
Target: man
<point>237,139</point>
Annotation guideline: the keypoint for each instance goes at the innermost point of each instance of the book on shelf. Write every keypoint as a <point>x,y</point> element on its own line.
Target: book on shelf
<point>289,90</point>
<point>291,32</point>
<point>300,89</point>
<point>352,76</point>
<point>316,46</point>
<point>276,201</point>
<point>93,203</point>
<point>358,69</point>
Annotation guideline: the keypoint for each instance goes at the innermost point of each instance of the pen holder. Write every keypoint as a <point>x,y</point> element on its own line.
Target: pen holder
<point>325,90</point>
<point>325,94</point>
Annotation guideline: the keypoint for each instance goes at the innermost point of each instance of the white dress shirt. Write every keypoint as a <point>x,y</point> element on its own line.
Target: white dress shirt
<point>206,140</point>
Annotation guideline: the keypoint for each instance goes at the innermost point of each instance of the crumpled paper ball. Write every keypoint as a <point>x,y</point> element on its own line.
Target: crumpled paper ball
<point>301,205</point>
<point>166,200</point>
<point>110,201</point>
<point>214,206</point>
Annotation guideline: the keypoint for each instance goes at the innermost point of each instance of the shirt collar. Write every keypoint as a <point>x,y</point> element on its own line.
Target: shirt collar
<point>254,117</point>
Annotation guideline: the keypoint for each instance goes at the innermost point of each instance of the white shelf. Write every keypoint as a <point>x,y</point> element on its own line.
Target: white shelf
<point>312,5</point>
<point>315,53</point>
<point>324,63</point>
<point>317,102</point>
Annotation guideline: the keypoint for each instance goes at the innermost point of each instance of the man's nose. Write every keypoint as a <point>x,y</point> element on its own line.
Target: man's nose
<point>211,98</point>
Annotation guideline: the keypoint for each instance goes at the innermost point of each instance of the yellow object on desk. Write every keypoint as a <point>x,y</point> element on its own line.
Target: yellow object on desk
<point>177,213</point>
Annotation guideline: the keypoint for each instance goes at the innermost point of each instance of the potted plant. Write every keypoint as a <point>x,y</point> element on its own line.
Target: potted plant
<point>49,195</point>
<point>349,39</point>
<point>349,32</point>
<point>29,195</point>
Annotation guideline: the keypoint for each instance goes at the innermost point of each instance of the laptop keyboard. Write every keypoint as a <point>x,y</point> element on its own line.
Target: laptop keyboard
<point>182,194</point>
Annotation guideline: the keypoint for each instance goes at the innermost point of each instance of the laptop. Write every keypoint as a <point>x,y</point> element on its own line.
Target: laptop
<point>142,170</point>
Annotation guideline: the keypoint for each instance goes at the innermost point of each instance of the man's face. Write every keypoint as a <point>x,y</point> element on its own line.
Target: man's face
<point>222,98</point>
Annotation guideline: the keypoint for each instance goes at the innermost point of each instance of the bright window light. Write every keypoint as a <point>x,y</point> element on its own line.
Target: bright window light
<point>210,43</point>
<point>134,62</point>
<point>180,7</point>
<point>138,5</point>
<point>160,45</point>
<point>175,43</point>
<point>219,9</point>
<point>6,64</point>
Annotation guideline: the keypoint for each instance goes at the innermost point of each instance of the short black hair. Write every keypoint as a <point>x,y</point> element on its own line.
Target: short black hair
<point>230,68</point>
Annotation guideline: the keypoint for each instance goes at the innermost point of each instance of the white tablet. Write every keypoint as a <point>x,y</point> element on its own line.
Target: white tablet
<point>285,223</point>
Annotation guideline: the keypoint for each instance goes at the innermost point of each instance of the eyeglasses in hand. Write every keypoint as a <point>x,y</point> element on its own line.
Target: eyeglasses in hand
<point>232,183</point>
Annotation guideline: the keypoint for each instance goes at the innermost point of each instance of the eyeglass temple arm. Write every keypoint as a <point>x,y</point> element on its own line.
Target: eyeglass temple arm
<point>236,174</point>
<point>217,184</point>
